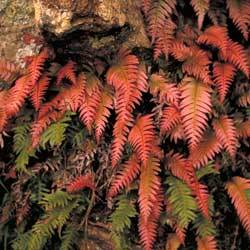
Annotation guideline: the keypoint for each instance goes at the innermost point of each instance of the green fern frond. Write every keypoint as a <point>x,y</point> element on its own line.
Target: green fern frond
<point>121,217</point>
<point>55,134</point>
<point>56,199</point>
<point>181,200</point>
<point>69,237</point>
<point>22,147</point>
<point>45,228</point>
<point>206,170</point>
<point>204,226</point>
<point>39,190</point>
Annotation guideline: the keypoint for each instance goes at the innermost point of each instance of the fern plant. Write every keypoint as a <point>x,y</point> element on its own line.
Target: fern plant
<point>163,135</point>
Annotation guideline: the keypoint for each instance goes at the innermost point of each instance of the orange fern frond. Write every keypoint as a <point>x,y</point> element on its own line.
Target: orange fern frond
<point>91,101</point>
<point>167,92</point>
<point>237,55</point>
<point>239,12</point>
<point>3,111</point>
<point>187,35</point>
<point>201,7</point>
<point>124,177</point>
<point>195,61</point>
<point>128,80</point>
<point>81,182</point>
<point>148,227</point>
<point>177,164</point>
<point>149,187</point>
<point>226,134</point>
<point>8,71</point>
<point>223,76</point>
<point>39,90</point>
<point>206,243</point>
<point>170,118</point>
<point>103,112</point>
<point>141,137</point>
<point>164,40</point>
<point>173,242</point>
<point>244,99</point>
<point>237,189</point>
<point>243,129</point>
<point>17,95</point>
<point>216,36</point>
<point>208,147</point>
<point>36,67</point>
<point>68,72</point>
<point>177,133</point>
<point>194,106</point>
<point>156,18</point>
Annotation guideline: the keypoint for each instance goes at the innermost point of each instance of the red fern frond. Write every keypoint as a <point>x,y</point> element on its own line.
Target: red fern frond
<point>177,133</point>
<point>36,67</point>
<point>68,72</point>
<point>81,182</point>
<point>128,80</point>
<point>165,39</point>
<point>239,12</point>
<point>216,36</point>
<point>199,190</point>
<point>194,106</point>
<point>148,227</point>
<point>170,118</point>
<point>157,15</point>
<point>91,101</point>
<point>17,95</point>
<point>167,92</point>
<point>223,76</point>
<point>243,129</point>
<point>206,243</point>
<point>177,164</point>
<point>8,71</point>
<point>149,187</point>
<point>237,55</point>
<point>146,6</point>
<point>201,7</point>
<point>3,111</point>
<point>244,99</point>
<point>226,134</point>
<point>187,35</point>
<point>124,177</point>
<point>195,61</point>
<point>39,90</point>
<point>103,112</point>
<point>142,136</point>
<point>208,147</point>
<point>237,189</point>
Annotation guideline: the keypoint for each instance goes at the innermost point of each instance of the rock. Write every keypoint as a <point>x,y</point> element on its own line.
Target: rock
<point>103,24</point>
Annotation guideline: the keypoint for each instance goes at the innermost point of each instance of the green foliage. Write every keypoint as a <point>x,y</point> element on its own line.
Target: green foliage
<point>22,147</point>
<point>206,170</point>
<point>55,134</point>
<point>121,220</point>
<point>69,237</point>
<point>181,200</point>
<point>204,227</point>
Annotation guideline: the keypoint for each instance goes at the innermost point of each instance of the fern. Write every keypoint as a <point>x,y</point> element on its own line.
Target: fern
<point>206,243</point>
<point>195,105</point>
<point>9,71</point>
<point>69,237</point>
<point>68,72</point>
<point>237,189</point>
<point>55,133</point>
<point>182,202</point>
